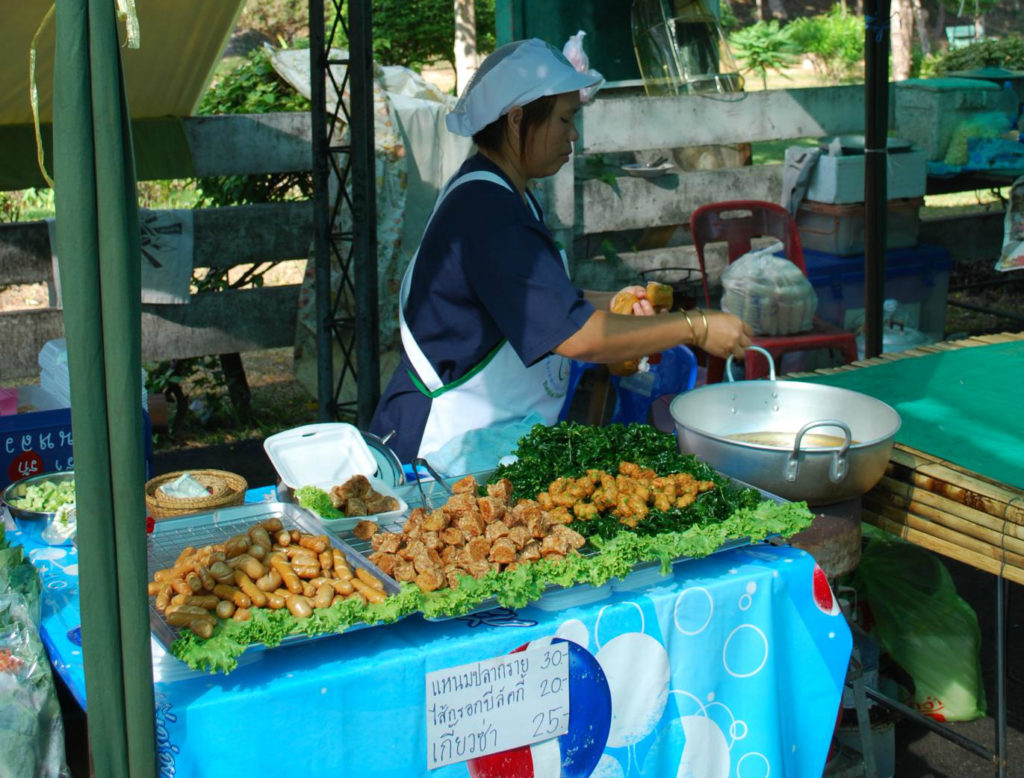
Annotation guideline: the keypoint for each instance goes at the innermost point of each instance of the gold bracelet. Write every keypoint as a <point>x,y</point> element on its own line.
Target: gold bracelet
<point>704,318</point>
<point>693,332</point>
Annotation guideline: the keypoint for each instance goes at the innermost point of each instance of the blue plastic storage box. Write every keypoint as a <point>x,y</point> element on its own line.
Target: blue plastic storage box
<point>40,442</point>
<point>918,278</point>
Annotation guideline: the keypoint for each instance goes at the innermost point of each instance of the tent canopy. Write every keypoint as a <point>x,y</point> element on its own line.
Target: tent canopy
<point>181,43</point>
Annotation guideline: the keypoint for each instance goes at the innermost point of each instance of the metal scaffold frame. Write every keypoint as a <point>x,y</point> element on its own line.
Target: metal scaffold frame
<point>344,179</point>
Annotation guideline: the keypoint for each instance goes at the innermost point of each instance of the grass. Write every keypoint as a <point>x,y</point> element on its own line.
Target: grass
<point>279,402</point>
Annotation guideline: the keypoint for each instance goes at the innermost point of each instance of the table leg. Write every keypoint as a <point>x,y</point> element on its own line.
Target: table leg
<point>1001,585</point>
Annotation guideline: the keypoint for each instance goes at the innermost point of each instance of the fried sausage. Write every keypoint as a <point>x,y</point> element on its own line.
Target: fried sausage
<point>368,578</point>
<point>291,580</point>
<point>236,545</point>
<point>324,595</point>
<point>230,593</point>
<point>299,606</point>
<point>248,586</point>
<point>370,593</point>
<point>315,543</point>
<point>225,609</point>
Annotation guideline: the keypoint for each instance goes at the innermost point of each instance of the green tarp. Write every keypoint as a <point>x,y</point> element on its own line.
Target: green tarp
<point>963,405</point>
<point>98,247</point>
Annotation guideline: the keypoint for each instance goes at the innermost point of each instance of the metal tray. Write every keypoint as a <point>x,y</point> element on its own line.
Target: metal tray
<point>170,536</point>
<point>433,493</point>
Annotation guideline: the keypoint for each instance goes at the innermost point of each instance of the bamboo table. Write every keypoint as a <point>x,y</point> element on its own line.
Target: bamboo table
<point>956,512</point>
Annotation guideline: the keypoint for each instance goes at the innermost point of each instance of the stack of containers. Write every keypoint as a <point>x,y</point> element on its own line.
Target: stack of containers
<point>831,226</point>
<point>54,377</point>
<point>831,217</point>
<point>38,439</point>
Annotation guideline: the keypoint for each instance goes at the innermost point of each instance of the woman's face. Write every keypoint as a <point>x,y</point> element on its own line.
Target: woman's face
<point>549,144</point>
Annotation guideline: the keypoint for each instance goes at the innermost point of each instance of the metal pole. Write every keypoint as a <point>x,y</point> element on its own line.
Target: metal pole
<point>876,122</point>
<point>364,210</point>
<point>321,213</point>
<point>1001,674</point>
<point>949,734</point>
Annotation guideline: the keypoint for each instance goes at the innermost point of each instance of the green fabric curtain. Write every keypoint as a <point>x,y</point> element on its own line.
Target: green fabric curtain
<point>98,250</point>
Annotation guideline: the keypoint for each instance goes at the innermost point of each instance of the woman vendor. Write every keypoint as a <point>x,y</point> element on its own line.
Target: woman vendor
<point>489,318</point>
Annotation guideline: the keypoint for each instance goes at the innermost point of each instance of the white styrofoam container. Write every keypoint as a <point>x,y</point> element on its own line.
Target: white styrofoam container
<point>840,179</point>
<point>319,453</point>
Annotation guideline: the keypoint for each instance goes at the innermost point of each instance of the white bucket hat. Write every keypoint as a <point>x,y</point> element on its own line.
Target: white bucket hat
<point>514,74</point>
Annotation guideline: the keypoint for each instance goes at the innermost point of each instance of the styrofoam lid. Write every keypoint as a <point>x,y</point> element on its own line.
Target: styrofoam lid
<point>319,453</point>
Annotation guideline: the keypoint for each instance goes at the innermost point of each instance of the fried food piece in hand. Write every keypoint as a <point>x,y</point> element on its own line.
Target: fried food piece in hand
<point>660,295</point>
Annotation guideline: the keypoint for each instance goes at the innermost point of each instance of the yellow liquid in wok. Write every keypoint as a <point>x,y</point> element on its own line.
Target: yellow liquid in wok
<point>786,439</point>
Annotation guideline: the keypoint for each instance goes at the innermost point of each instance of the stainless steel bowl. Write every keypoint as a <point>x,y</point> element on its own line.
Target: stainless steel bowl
<point>17,490</point>
<point>721,423</point>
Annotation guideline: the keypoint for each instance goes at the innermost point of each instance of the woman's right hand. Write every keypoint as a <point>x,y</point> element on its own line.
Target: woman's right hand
<point>726,334</point>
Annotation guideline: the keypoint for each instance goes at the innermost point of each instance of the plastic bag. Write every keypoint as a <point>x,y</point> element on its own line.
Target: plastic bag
<point>1012,255</point>
<point>573,51</point>
<point>675,372</point>
<point>981,125</point>
<point>915,613</point>
<point>480,449</point>
<point>769,292</point>
<point>31,727</point>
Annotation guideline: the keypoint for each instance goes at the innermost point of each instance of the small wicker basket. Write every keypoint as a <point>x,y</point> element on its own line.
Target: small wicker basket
<point>225,489</point>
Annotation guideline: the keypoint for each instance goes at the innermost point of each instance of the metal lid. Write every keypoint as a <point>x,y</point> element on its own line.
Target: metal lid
<point>854,144</point>
<point>389,467</point>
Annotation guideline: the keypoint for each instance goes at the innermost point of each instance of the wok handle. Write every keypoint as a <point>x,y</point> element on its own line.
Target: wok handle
<point>838,469</point>
<point>771,363</point>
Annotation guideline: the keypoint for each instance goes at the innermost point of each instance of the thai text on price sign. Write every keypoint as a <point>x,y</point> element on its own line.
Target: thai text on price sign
<point>497,704</point>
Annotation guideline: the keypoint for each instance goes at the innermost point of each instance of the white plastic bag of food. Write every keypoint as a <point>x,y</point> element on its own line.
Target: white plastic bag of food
<point>573,51</point>
<point>769,292</point>
<point>1012,255</point>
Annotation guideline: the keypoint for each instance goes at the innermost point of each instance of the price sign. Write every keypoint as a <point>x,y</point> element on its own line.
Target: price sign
<point>485,707</point>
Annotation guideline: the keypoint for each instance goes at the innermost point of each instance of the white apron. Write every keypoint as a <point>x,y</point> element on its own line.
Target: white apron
<point>499,390</point>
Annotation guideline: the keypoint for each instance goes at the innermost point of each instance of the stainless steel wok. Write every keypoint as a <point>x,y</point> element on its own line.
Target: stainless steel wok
<point>798,440</point>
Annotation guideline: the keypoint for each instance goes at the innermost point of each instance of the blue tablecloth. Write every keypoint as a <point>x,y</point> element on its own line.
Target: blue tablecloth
<point>731,666</point>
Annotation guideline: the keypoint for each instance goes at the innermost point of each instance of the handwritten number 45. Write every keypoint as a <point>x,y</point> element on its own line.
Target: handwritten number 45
<point>547,724</point>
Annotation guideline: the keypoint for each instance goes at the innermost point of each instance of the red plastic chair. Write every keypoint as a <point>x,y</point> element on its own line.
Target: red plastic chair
<point>735,222</point>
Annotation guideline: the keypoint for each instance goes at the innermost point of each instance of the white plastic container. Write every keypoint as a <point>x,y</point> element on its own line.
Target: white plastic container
<point>840,179</point>
<point>328,453</point>
<point>839,229</point>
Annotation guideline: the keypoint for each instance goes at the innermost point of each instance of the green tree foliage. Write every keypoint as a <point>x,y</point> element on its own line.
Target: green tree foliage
<point>762,47</point>
<point>834,39</point>
<point>252,87</point>
<point>1006,53</point>
<point>414,33</point>
<point>284,21</point>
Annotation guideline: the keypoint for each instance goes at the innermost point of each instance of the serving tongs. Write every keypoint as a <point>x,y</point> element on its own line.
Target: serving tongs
<point>438,478</point>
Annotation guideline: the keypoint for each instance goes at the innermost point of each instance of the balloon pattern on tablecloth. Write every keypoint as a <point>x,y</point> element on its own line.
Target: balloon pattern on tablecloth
<point>574,754</point>
<point>638,726</point>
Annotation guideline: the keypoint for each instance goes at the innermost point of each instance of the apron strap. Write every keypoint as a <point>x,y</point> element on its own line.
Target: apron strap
<point>420,364</point>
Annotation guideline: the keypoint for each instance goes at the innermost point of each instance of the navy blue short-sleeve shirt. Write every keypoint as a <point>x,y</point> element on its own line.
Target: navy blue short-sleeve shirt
<point>487,270</point>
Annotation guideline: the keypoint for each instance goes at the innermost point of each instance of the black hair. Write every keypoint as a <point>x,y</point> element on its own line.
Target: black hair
<point>535,113</point>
